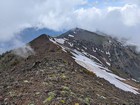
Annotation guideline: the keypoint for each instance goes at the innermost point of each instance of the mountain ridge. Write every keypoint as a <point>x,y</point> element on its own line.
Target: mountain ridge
<point>106,44</point>
<point>55,75</point>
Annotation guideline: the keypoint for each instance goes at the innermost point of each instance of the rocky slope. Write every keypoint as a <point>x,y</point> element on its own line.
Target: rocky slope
<point>121,59</point>
<point>51,75</point>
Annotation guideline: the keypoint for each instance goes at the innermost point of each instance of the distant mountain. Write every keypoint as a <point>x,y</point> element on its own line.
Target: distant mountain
<point>78,67</point>
<point>31,33</point>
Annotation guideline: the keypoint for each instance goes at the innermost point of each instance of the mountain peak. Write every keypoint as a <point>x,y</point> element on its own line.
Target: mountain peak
<point>42,44</point>
<point>77,29</point>
<point>41,39</point>
<point>81,35</point>
<point>43,36</point>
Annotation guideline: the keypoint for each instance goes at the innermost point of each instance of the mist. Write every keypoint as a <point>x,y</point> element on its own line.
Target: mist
<point>24,51</point>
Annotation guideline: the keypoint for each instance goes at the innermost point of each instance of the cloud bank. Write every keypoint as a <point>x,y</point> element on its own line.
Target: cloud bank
<point>121,21</point>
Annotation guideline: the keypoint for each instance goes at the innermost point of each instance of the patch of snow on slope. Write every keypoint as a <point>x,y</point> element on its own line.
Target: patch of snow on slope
<point>84,47</point>
<point>71,44</point>
<point>55,41</point>
<point>70,35</point>
<point>94,50</point>
<point>63,49</point>
<point>134,80</point>
<point>89,64</point>
<point>108,53</point>
<point>60,40</point>
<point>91,56</point>
<point>108,63</point>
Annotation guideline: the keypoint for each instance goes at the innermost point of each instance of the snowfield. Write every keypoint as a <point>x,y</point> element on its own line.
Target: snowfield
<point>60,40</point>
<point>70,35</point>
<point>102,72</point>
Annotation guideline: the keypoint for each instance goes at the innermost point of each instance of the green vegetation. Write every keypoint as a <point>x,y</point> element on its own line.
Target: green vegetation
<point>51,96</point>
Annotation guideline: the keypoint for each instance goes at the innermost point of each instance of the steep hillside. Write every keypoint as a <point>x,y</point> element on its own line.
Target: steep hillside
<point>121,59</point>
<point>52,74</point>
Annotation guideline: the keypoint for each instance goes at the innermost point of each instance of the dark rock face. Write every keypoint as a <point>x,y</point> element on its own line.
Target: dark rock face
<point>52,77</point>
<point>42,44</point>
<point>80,34</point>
<point>123,60</point>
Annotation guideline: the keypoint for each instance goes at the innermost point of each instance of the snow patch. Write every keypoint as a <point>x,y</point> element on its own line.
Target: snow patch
<point>134,80</point>
<point>94,50</point>
<point>108,63</point>
<point>89,64</point>
<point>71,44</point>
<point>94,58</point>
<point>102,51</point>
<point>53,40</point>
<point>63,49</point>
<point>84,47</point>
<point>109,41</point>
<point>70,35</point>
<point>60,40</point>
<point>108,53</point>
<point>56,41</point>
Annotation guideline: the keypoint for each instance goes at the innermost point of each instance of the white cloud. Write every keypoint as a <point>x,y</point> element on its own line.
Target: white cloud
<point>133,1</point>
<point>130,14</point>
<point>118,21</point>
<point>16,14</point>
<point>121,21</point>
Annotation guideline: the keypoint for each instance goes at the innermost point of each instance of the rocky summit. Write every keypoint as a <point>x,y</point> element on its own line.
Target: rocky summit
<point>76,68</point>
